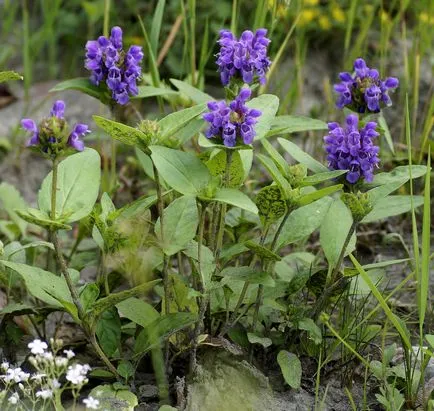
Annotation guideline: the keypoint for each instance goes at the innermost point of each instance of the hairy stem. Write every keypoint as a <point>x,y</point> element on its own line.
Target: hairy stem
<point>205,298</point>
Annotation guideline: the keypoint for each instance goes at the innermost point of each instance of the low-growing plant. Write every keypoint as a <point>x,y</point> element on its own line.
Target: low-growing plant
<point>207,255</point>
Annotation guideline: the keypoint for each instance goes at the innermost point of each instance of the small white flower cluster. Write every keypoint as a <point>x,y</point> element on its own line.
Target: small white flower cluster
<point>43,386</point>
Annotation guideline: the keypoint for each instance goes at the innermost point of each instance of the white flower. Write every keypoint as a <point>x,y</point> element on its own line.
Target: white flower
<point>61,361</point>
<point>54,383</point>
<point>48,356</point>
<point>24,376</point>
<point>69,354</point>
<point>37,346</point>
<point>14,374</point>
<point>91,403</point>
<point>44,394</point>
<point>4,366</point>
<point>77,374</point>
<point>14,398</point>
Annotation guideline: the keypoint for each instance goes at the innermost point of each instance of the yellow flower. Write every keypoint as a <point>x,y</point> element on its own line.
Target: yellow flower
<point>306,16</point>
<point>338,14</point>
<point>311,2</point>
<point>324,23</point>
<point>384,16</point>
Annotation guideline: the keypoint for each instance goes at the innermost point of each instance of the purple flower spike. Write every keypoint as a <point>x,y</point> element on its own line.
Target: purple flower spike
<point>49,136</point>
<point>109,63</point>
<point>74,138</point>
<point>364,91</point>
<point>30,125</point>
<point>58,109</point>
<point>233,122</point>
<point>350,148</point>
<point>245,57</point>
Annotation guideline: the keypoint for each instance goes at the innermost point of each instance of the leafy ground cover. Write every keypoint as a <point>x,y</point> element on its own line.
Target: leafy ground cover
<point>204,236</point>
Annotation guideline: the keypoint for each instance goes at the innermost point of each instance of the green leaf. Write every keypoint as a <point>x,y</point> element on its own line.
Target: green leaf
<point>280,162</point>
<point>156,26</point>
<point>42,219</point>
<point>256,339</point>
<point>77,186</point>
<point>174,122</point>
<point>261,251</point>
<point>392,205</point>
<point>111,300</point>
<point>42,284</point>
<point>162,328</point>
<point>181,219</point>
<point>217,167</point>
<point>111,398</point>
<point>84,85</point>
<point>196,95</point>
<point>236,198</point>
<point>398,324</point>
<point>278,178</point>
<point>298,154</point>
<point>138,311</point>
<point>182,171</point>
<point>149,91</point>
<point>88,296</point>
<point>244,274</point>
<point>290,366</point>
<point>11,200</point>
<point>125,369</point>
<point>18,309</point>
<point>318,194</point>
<point>271,204</point>
<point>398,174</point>
<point>304,221</point>
<point>321,177</point>
<point>334,230</point>
<point>207,263</point>
<point>384,128</point>
<point>314,332</point>
<point>125,134</point>
<point>9,75</point>
<point>108,331</point>
<point>293,124</point>
<point>268,104</point>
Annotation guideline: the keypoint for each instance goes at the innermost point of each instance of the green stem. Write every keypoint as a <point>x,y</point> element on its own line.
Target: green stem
<point>221,230</point>
<point>102,355</point>
<point>160,206</point>
<point>202,290</point>
<point>343,251</point>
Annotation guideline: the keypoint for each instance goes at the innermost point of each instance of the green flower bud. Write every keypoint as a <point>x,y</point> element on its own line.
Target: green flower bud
<point>296,174</point>
<point>360,204</point>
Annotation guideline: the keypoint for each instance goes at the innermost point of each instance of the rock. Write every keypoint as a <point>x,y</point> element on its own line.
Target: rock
<point>148,391</point>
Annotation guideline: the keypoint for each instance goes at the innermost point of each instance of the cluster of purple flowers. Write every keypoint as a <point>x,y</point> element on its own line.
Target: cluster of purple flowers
<point>364,91</point>
<point>352,149</point>
<point>244,57</point>
<point>233,121</point>
<point>51,131</point>
<point>108,62</point>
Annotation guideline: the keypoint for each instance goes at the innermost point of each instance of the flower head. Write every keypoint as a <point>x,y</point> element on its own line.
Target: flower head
<point>91,403</point>
<point>364,91</point>
<point>51,136</point>
<point>44,394</point>
<point>14,398</point>
<point>351,148</point>
<point>232,122</point>
<point>37,346</point>
<point>109,63</point>
<point>245,57</point>
<point>76,374</point>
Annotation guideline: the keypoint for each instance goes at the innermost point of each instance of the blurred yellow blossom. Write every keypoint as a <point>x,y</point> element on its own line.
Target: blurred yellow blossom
<point>384,16</point>
<point>307,16</point>
<point>338,14</point>
<point>311,2</point>
<point>424,17</point>
<point>324,23</point>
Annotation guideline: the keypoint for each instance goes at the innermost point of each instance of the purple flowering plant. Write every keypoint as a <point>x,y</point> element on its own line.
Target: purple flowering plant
<point>244,58</point>
<point>351,147</point>
<point>111,65</point>
<point>364,91</point>
<point>52,135</point>
<point>232,124</point>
